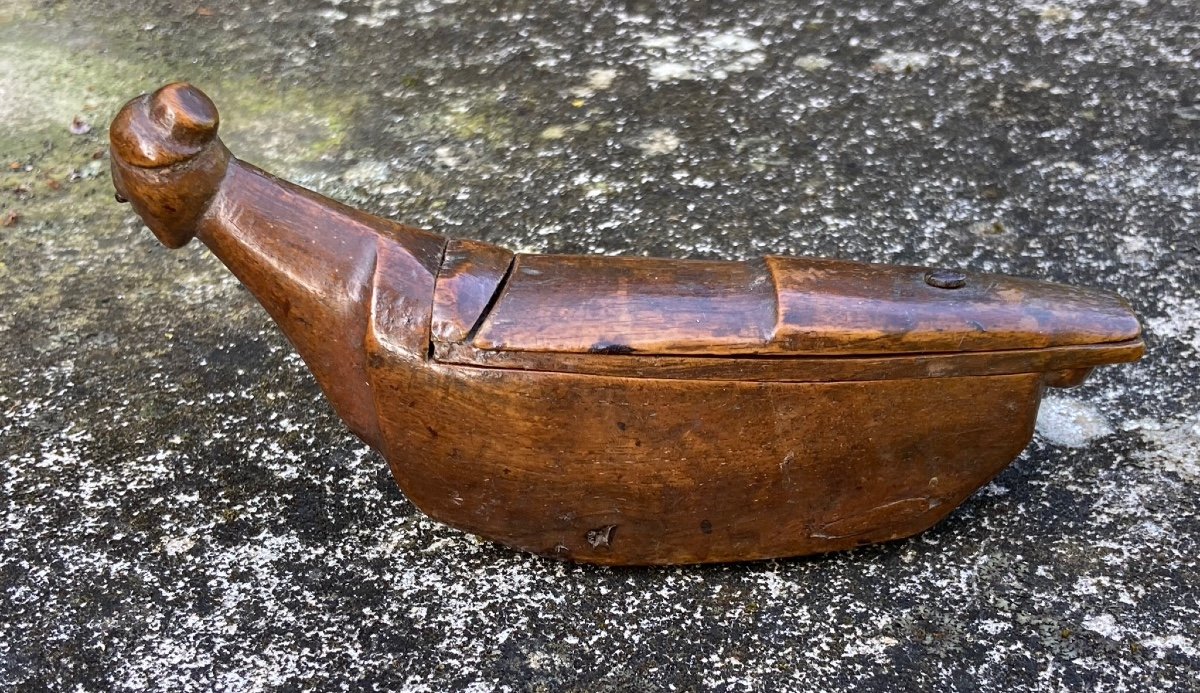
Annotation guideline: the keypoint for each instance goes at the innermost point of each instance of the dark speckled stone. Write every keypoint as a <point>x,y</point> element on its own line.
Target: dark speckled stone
<point>180,510</point>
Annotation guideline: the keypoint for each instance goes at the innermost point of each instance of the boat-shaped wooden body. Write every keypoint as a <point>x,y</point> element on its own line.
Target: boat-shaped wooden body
<point>631,410</point>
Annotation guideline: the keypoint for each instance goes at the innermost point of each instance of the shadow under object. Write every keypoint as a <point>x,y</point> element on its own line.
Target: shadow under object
<point>624,410</point>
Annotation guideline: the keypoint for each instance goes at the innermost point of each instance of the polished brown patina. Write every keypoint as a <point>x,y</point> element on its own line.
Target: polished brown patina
<point>631,410</point>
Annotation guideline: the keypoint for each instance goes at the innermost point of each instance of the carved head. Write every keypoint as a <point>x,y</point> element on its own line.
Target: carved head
<point>167,159</point>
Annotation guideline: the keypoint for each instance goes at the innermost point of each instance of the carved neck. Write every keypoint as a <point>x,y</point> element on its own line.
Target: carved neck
<point>311,263</point>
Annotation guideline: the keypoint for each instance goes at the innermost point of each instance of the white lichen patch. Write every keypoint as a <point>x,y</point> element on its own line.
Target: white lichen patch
<point>1186,646</point>
<point>1137,250</point>
<point>380,12</point>
<point>1055,14</point>
<point>812,62</point>
<point>658,141</point>
<point>1106,625</point>
<point>599,79</point>
<point>178,545</point>
<point>1070,422</point>
<point>705,55</point>
<point>875,648</point>
<point>1174,445</point>
<point>670,71</point>
<point>901,61</point>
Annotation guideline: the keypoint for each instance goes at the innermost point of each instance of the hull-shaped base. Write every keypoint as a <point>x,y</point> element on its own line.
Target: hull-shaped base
<point>622,471</point>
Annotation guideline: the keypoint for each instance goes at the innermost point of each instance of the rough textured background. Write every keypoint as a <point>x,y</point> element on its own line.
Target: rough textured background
<point>181,510</point>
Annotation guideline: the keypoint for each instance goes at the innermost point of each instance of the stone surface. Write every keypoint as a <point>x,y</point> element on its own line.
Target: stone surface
<point>181,511</point>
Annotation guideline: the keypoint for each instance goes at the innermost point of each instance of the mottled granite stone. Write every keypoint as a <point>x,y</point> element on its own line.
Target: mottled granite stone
<point>180,510</point>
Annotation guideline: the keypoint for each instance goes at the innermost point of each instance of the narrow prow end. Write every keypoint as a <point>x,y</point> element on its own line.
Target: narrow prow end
<point>167,160</point>
<point>1108,332</point>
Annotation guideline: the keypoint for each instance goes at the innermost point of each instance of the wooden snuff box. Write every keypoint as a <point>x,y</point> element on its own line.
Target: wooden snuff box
<point>626,410</point>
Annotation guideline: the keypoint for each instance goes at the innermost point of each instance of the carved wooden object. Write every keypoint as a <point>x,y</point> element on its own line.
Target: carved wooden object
<point>628,410</point>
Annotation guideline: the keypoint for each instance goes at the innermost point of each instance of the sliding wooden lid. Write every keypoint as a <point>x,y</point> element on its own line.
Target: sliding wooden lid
<point>770,307</point>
